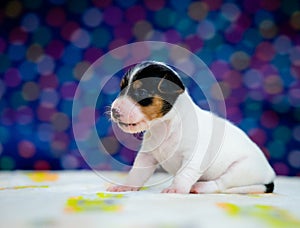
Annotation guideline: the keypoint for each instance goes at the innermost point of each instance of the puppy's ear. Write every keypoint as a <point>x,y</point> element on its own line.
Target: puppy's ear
<point>170,84</point>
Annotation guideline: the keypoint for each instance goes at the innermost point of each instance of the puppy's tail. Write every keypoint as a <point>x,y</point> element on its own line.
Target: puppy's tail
<point>269,187</point>
<point>261,188</point>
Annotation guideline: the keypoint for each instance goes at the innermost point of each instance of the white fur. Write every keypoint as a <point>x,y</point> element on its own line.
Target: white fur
<point>130,114</point>
<point>205,153</point>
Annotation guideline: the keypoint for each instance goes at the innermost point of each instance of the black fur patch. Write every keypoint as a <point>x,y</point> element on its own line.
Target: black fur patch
<point>163,83</point>
<point>160,71</point>
<point>269,188</point>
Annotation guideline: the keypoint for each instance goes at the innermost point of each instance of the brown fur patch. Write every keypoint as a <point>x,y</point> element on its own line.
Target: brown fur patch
<point>122,83</point>
<point>173,88</point>
<point>137,84</point>
<point>154,110</point>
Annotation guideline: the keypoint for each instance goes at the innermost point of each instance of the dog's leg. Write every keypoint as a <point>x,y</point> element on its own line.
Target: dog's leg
<point>237,179</point>
<point>260,188</point>
<point>183,181</point>
<point>212,187</point>
<point>204,187</point>
<point>143,167</point>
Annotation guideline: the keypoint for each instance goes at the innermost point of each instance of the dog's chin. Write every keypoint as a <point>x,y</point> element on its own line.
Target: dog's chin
<point>133,128</point>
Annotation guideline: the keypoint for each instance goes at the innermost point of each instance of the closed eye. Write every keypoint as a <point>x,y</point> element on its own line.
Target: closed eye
<point>146,102</point>
<point>143,97</point>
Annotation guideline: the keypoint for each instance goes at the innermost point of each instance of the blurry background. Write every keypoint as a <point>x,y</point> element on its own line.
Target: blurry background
<point>251,46</point>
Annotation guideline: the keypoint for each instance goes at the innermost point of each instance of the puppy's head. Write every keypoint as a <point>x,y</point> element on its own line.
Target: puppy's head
<point>148,92</point>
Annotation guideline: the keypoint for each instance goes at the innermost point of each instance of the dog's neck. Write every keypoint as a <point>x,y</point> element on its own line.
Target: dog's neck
<point>172,122</point>
<point>182,107</point>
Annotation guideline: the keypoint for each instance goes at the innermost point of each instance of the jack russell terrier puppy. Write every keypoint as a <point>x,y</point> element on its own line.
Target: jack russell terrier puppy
<point>205,153</point>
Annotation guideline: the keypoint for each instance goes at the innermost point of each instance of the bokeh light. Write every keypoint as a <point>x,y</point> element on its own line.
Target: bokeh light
<point>252,47</point>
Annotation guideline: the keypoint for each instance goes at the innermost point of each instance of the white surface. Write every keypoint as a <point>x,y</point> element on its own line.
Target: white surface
<point>35,199</point>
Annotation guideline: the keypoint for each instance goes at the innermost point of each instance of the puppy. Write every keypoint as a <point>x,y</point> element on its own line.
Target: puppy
<point>204,153</point>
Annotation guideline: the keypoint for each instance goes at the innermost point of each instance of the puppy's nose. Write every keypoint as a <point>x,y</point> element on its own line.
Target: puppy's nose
<point>115,113</point>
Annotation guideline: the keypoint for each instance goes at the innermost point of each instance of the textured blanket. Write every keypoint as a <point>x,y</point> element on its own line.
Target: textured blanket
<point>79,199</point>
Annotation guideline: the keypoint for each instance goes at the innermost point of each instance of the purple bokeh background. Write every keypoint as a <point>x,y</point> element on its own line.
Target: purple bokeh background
<point>251,46</point>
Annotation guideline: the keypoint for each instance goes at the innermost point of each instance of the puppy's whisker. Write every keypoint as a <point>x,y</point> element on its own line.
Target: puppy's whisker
<point>108,114</point>
<point>107,110</point>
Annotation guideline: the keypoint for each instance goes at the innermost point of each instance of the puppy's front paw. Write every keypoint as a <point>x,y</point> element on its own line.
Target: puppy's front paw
<point>122,188</point>
<point>175,190</point>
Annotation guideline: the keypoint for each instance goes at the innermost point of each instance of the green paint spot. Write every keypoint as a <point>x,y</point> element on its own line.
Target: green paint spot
<point>273,216</point>
<point>81,204</point>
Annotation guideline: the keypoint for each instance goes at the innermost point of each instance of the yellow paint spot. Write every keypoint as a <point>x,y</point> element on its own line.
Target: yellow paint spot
<point>104,195</point>
<point>255,195</point>
<point>231,209</point>
<point>270,215</point>
<point>24,187</point>
<point>144,188</point>
<point>81,204</point>
<point>43,176</point>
